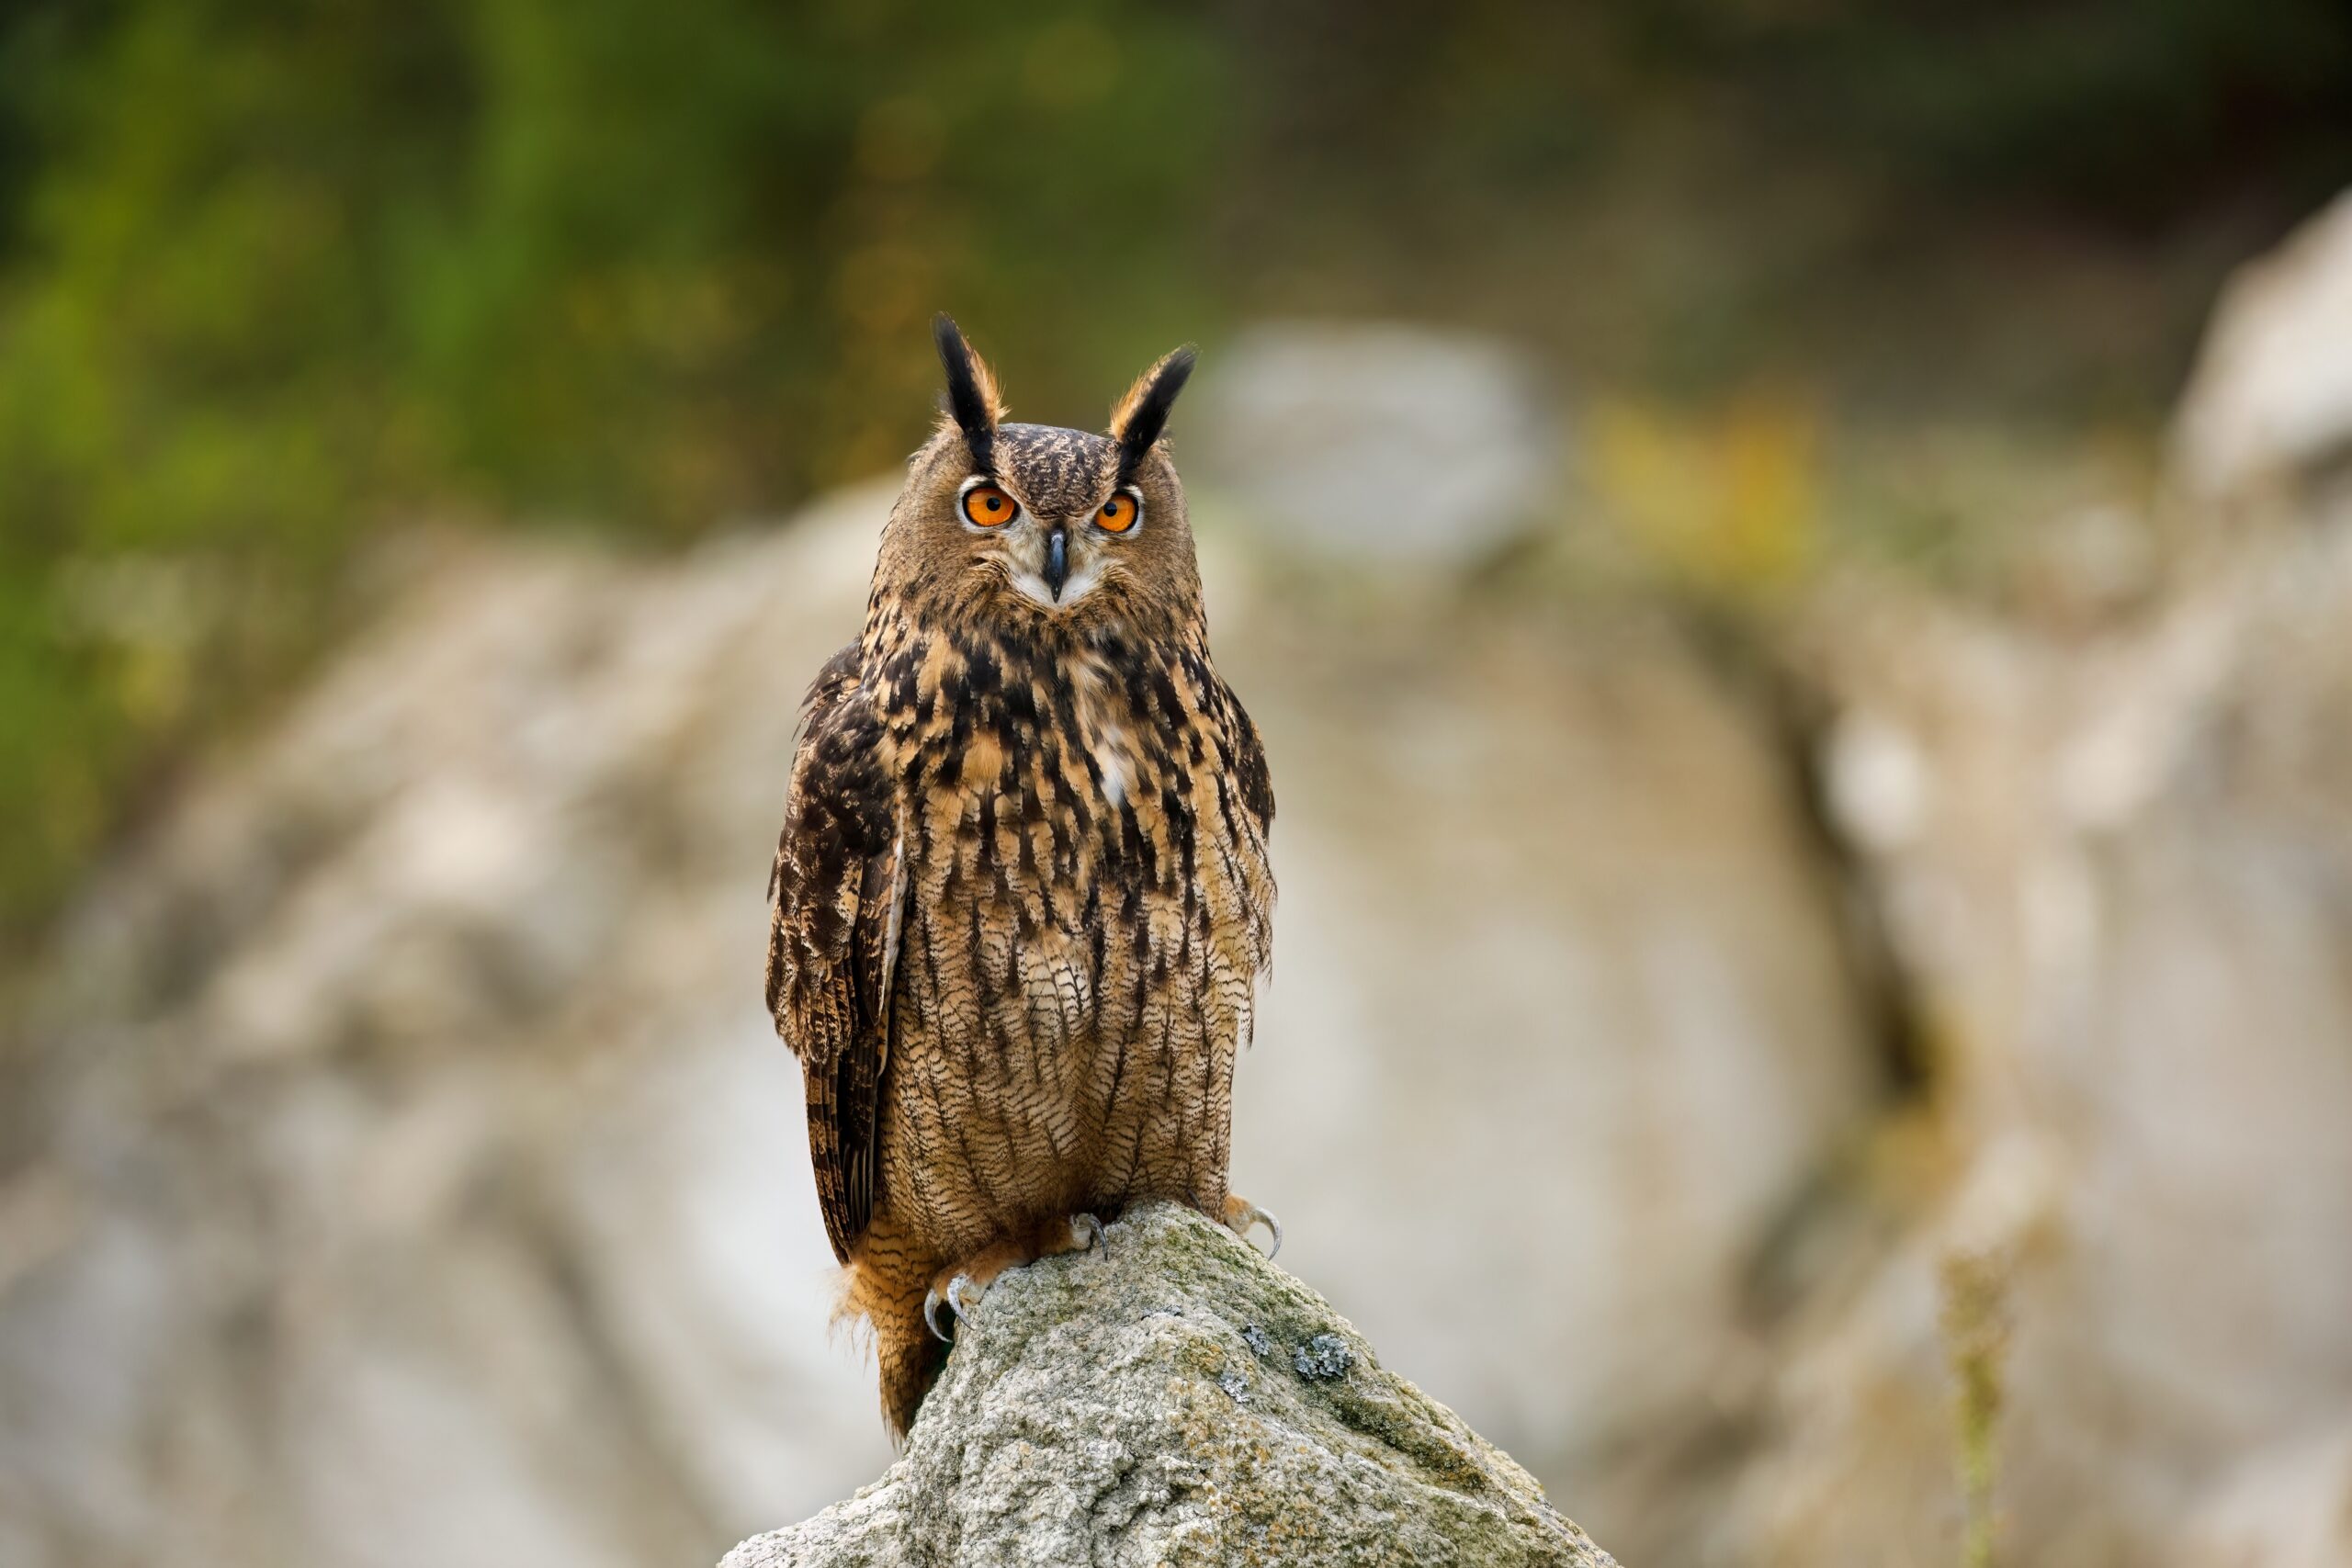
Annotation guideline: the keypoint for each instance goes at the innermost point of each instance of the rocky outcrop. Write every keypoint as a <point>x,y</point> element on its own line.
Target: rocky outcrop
<point>1172,1398</point>
<point>2115,865</point>
<point>2117,874</point>
<point>410,1173</point>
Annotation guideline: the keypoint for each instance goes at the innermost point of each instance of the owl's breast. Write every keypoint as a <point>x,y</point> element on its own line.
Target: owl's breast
<point>1075,858</point>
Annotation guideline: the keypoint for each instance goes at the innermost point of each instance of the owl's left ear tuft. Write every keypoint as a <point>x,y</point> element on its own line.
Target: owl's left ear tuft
<point>973,405</point>
<point>1141,417</point>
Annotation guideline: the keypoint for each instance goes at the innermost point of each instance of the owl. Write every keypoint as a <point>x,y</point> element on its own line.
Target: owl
<point>1022,900</point>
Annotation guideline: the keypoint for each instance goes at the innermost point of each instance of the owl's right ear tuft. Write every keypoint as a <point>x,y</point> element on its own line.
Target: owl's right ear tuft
<point>973,405</point>
<point>1139,418</point>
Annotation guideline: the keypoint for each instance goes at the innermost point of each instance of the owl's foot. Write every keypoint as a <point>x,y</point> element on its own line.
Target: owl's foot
<point>1240,1214</point>
<point>960,1288</point>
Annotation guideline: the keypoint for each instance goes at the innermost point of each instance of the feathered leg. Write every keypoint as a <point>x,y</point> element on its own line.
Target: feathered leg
<point>890,1274</point>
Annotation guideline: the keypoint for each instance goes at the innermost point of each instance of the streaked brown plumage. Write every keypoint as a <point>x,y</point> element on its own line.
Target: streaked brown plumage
<point>1021,899</point>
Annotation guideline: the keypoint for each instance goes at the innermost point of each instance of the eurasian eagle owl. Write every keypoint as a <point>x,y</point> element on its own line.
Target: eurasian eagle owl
<point>1022,900</point>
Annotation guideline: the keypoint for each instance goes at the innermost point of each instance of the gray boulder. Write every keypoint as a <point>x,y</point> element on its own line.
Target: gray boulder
<point>1379,442</point>
<point>2116,872</point>
<point>1173,1398</point>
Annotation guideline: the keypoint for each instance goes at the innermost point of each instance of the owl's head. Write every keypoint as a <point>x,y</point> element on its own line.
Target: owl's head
<point>1037,525</point>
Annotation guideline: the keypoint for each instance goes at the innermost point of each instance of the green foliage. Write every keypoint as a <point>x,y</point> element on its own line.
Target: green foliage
<point>285,269</point>
<point>1976,1341</point>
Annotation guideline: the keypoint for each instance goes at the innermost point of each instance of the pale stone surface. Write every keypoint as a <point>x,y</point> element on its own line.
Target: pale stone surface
<point>2271,398</point>
<point>2118,872</point>
<point>1175,1399</point>
<point>1559,1025</point>
<point>2289,1505</point>
<point>418,1178</point>
<point>1375,442</point>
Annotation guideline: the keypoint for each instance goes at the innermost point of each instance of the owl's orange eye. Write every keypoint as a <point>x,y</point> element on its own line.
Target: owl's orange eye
<point>988,506</point>
<point>1118,514</point>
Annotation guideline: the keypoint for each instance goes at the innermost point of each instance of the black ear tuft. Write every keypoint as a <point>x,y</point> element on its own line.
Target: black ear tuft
<point>1142,415</point>
<point>972,401</point>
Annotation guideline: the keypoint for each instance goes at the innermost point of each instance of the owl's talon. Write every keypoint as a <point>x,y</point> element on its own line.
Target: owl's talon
<point>931,1317</point>
<point>962,1294</point>
<point>1240,1214</point>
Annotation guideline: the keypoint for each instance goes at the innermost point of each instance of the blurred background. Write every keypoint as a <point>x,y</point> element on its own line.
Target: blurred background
<point>1793,559</point>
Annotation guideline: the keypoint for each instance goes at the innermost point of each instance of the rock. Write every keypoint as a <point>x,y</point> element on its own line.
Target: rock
<point>415,1176</point>
<point>1559,1000</point>
<point>2116,869</point>
<point>2288,1506</point>
<point>1174,1399</point>
<point>2111,857</point>
<point>1379,443</point>
<point>2271,398</point>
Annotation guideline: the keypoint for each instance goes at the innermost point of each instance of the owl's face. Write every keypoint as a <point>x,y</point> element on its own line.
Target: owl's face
<point>1036,525</point>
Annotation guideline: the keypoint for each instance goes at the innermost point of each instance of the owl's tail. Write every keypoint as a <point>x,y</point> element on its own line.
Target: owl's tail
<point>889,1275</point>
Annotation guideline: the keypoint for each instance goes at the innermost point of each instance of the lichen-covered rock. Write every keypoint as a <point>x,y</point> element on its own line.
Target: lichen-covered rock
<point>1173,1398</point>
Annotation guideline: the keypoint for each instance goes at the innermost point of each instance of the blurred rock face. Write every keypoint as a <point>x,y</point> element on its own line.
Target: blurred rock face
<point>423,1182</point>
<point>1375,442</point>
<point>2271,402</point>
<point>2123,891</point>
<point>2118,872</point>
<point>1559,1021</point>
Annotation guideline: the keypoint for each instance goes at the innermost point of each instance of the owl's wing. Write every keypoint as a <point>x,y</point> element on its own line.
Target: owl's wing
<point>1242,756</point>
<point>835,897</point>
<point>1249,766</point>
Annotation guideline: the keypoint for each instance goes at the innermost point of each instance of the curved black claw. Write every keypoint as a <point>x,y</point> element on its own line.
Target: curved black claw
<point>1088,1230</point>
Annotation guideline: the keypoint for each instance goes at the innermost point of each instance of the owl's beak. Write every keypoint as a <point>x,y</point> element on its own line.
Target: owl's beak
<point>1057,561</point>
